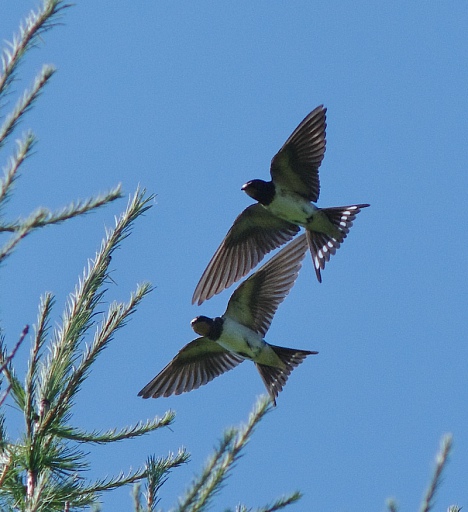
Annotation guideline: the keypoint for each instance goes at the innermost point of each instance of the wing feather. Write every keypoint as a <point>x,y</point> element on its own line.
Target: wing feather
<point>255,232</point>
<point>296,165</point>
<point>256,300</point>
<point>199,362</point>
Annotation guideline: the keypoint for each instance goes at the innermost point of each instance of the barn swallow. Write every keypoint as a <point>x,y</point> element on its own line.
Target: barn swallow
<point>283,206</point>
<point>230,339</point>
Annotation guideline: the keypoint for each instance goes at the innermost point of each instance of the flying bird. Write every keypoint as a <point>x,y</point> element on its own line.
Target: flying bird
<point>284,204</point>
<point>230,339</point>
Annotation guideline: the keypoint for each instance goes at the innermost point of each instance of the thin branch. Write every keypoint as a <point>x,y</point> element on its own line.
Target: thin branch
<point>111,436</point>
<point>6,362</point>
<point>441,461</point>
<point>44,217</point>
<point>169,462</point>
<point>228,453</point>
<point>31,29</point>
<point>157,471</point>
<point>392,505</point>
<point>25,103</point>
<point>281,503</point>
<point>5,394</point>
<point>61,378</point>
<point>11,172</point>
<point>191,495</point>
<point>7,369</point>
<point>41,329</point>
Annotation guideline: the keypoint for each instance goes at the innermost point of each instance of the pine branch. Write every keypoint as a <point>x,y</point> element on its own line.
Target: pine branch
<point>15,386</point>
<point>5,362</point>
<point>441,462</point>
<point>116,318</point>
<point>41,331</point>
<point>47,461</point>
<point>25,103</point>
<point>11,172</point>
<point>44,217</point>
<point>191,495</point>
<point>60,379</point>
<point>392,505</point>
<point>161,466</point>
<point>281,503</point>
<point>202,491</point>
<point>111,436</point>
<point>157,472</point>
<point>30,32</point>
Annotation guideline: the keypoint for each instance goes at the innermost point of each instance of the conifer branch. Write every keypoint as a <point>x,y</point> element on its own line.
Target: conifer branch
<point>441,462</point>
<point>229,451</point>
<point>11,172</point>
<point>25,103</point>
<point>112,435</point>
<point>156,468</point>
<point>5,362</point>
<point>60,378</point>
<point>44,217</point>
<point>279,504</point>
<point>392,505</point>
<point>157,472</point>
<point>282,502</point>
<point>15,386</point>
<point>42,472</point>
<point>40,338</point>
<point>191,495</point>
<point>29,36</point>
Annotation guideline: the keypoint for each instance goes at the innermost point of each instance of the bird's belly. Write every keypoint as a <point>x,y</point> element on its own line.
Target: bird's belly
<point>294,209</point>
<point>241,340</point>
<point>247,343</point>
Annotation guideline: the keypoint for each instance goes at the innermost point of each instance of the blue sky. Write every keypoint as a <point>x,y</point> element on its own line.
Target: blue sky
<point>191,100</point>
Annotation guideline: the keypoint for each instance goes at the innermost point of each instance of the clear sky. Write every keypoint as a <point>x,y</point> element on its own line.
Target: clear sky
<point>191,100</point>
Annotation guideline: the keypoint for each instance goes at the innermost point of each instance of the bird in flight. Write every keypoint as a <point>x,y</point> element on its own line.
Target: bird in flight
<point>238,334</point>
<point>284,204</point>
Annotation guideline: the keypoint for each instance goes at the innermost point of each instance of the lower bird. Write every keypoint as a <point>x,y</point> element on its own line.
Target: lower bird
<point>230,339</point>
<point>284,205</point>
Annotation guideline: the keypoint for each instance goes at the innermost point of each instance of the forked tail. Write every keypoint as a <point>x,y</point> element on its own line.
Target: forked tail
<point>275,378</point>
<point>323,245</point>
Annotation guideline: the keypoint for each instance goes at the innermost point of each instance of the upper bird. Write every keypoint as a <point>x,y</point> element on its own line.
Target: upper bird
<point>228,340</point>
<point>283,205</point>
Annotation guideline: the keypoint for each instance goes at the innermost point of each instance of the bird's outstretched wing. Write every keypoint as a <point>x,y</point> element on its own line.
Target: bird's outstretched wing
<point>199,362</point>
<point>255,232</point>
<point>256,300</point>
<point>296,165</point>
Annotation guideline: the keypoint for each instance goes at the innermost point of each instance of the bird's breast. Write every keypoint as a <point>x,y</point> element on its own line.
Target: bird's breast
<point>292,207</point>
<point>248,344</point>
<point>240,339</point>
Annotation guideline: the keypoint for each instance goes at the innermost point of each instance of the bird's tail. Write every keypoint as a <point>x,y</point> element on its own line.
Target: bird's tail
<point>322,245</point>
<point>275,378</point>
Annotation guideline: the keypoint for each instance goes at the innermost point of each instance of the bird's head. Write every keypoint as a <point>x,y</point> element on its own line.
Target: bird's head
<point>202,325</point>
<point>261,191</point>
